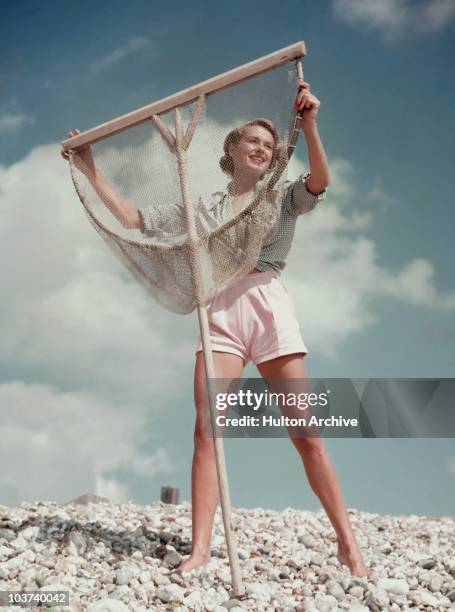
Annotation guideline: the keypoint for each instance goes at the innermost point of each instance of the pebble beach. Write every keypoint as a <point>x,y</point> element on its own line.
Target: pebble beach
<point>123,557</point>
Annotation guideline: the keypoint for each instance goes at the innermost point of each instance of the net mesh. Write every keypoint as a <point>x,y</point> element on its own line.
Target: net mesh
<point>195,236</point>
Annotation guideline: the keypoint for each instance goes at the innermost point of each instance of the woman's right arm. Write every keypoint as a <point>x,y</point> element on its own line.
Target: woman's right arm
<point>122,210</point>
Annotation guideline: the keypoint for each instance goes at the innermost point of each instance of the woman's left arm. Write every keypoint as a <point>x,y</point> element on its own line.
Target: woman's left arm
<point>308,104</point>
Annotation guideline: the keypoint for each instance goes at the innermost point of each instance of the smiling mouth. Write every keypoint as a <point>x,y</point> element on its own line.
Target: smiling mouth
<point>255,158</point>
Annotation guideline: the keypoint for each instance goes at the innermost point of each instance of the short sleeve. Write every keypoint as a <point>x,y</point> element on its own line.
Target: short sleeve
<point>160,220</point>
<point>299,200</point>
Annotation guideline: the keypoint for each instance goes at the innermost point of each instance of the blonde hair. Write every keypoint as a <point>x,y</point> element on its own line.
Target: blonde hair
<point>234,137</point>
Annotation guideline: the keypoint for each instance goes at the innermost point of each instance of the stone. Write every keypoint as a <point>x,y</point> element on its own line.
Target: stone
<point>243,554</point>
<point>289,559</point>
<point>356,591</point>
<point>171,593</point>
<point>393,585</point>
<point>193,600</point>
<point>259,590</point>
<point>176,578</point>
<point>307,540</point>
<point>173,559</point>
<point>326,603</point>
<point>334,589</point>
<point>436,583</point>
<point>231,603</point>
<point>429,564</point>
<point>377,599</point>
<point>126,573</point>
<point>160,580</point>
<point>211,599</point>
<point>423,598</point>
<point>145,577</point>
<point>7,534</point>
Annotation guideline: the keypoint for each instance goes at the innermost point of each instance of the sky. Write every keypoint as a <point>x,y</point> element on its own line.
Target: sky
<point>95,377</point>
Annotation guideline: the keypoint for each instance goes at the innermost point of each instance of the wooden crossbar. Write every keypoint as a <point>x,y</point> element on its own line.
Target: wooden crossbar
<point>273,60</point>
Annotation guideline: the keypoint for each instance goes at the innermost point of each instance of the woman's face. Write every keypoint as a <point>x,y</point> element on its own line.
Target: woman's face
<point>254,152</point>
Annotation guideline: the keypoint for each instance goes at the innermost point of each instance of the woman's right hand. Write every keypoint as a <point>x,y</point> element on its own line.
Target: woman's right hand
<point>82,156</point>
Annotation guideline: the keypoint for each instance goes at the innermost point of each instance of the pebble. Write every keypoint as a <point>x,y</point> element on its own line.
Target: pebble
<point>7,534</point>
<point>390,585</point>
<point>436,583</point>
<point>334,589</point>
<point>232,603</point>
<point>173,559</point>
<point>176,578</point>
<point>160,579</point>
<point>171,593</point>
<point>326,603</point>
<point>117,557</point>
<point>356,591</point>
<point>423,598</point>
<point>145,577</point>
<point>259,590</point>
<point>429,564</point>
<point>126,573</point>
<point>307,540</point>
<point>377,599</point>
<point>193,600</point>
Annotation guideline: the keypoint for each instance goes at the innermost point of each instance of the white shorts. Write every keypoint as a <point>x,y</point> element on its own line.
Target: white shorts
<point>255,319</point>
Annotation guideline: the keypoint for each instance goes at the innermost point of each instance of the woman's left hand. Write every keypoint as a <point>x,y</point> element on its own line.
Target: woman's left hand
<point>307,104</point>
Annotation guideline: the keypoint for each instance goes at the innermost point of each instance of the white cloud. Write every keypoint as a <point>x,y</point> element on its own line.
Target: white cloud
<point>70,443</point>
<point>132,45</point>
<point>71,315</point>
<point>395,18</point>
<point>437,14</point>
<point>335,277</point>
<point>10,122</point>
<point>149,466</point>
<point>112,489</point>
<point>379,198</point>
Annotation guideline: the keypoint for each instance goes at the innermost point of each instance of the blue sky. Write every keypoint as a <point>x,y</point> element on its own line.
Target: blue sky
<point>88,362</point>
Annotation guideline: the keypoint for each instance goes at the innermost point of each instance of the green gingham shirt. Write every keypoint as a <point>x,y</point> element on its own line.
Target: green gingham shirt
<point>297,200</point>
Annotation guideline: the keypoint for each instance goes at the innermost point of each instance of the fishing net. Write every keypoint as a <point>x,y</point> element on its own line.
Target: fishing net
<point>194,239</point>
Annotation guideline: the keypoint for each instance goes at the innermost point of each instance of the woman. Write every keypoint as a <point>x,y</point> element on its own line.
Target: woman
<point>268,332</point>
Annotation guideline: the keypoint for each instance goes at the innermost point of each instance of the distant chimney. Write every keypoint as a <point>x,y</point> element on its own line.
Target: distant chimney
<point>169,495</point>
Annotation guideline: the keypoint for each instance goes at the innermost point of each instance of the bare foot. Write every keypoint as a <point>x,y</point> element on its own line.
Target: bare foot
<point>195,560</point>
<point>351,556</point>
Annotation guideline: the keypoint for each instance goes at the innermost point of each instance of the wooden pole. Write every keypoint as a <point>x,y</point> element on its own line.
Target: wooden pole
<point>296,116</point>
<point>198,286</point>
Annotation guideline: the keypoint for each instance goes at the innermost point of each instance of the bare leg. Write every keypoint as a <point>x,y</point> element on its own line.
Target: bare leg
<point>204,483</point>
<point>320,471</point>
